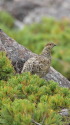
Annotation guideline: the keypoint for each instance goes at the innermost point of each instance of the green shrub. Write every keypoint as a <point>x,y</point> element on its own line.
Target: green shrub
<point>6,69</point>
<point>6,19</point>
<point>55,119</point>
<point>17,113</point>
<point>25,97</point>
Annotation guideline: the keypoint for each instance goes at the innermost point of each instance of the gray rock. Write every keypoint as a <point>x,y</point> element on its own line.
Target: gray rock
<point>30,11</point>
<point>19,9</point>
<point>64,112</point>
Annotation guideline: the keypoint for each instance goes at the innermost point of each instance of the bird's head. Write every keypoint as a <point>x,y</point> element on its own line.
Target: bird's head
<point>50,45</point>
<point>47,49</point>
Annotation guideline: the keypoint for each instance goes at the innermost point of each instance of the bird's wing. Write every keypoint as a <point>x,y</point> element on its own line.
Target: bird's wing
<point>28,66</point>
<point>43,64</point>
<point>36,65</point>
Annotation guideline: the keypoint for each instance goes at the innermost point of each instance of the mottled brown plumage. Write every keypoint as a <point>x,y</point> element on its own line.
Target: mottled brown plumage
<point>39,64</point>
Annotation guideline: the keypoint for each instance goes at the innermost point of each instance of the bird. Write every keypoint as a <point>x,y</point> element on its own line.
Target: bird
<point>40,64</point>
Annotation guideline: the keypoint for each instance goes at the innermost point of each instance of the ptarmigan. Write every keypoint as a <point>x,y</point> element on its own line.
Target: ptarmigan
<point>39,64</point>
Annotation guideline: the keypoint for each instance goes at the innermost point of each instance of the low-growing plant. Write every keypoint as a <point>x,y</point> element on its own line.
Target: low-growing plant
<point>6,68</point>
<point>6,19</point>
<point>25,98</point>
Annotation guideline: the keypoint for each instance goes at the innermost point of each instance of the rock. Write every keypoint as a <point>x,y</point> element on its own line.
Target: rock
<point>64,112</point>
<point>30,11</point>
<point>57,77</point>
<point>19,9</point>
<point>18,54</point>
<point>18,24</point>
<point>57,9</point>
